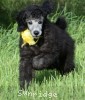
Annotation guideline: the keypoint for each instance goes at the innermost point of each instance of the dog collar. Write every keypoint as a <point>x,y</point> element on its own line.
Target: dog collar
<point>28,38</point>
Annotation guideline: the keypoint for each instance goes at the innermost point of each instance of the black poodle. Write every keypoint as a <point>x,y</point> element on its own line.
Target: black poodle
<point>54,49</point>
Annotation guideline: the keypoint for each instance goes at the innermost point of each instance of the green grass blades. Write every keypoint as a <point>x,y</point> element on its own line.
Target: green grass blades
<point>47,85</point>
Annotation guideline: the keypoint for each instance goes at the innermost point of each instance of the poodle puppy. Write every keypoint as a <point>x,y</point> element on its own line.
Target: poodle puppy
<point>54,49</point>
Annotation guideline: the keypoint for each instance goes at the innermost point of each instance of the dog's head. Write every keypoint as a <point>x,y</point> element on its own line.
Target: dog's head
<point>33,18</point>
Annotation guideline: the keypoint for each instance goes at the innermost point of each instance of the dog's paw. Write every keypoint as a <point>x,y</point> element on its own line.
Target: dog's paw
<point>38,63</point>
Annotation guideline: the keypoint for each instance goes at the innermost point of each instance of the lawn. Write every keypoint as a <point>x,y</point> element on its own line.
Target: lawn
<point>47,85</point>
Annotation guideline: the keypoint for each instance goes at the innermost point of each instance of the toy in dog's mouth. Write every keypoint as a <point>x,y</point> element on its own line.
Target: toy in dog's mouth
<point>28,38</point>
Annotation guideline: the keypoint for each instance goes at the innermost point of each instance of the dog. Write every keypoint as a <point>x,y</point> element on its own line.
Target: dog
<point>54,48</point>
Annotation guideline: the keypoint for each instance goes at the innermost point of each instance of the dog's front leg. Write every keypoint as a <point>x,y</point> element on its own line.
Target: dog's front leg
<point>48,54</point>
<point>25,72</point>
<point>25,67</point>
<point>43,61</point>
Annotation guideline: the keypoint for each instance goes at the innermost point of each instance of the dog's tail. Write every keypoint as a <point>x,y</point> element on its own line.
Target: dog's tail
<point>61,23</point>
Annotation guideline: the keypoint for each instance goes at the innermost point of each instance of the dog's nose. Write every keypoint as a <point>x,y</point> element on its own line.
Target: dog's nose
<point>36,32</point>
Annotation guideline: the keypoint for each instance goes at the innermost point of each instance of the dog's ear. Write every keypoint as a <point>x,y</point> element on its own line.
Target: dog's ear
<point>61,22</point>
<point>21,20</point>
<point>48,6</point>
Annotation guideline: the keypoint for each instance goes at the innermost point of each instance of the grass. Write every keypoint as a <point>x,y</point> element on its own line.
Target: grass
<point>47,85</point>
<point>9,8</point>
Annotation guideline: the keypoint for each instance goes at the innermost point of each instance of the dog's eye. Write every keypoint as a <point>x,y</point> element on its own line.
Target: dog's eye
<point>40,22</point>
<point>30,22</point>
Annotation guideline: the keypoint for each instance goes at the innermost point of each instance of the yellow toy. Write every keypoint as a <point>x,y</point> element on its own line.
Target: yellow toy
<point>27,38</point>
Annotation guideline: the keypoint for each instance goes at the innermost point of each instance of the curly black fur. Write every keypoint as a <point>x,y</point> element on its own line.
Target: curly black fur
<point>55,49</point>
